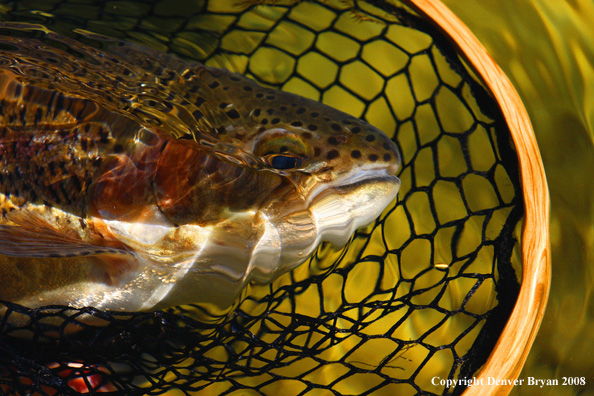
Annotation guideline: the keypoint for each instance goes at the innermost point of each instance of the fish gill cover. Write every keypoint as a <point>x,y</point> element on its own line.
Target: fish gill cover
<point>421,293</point>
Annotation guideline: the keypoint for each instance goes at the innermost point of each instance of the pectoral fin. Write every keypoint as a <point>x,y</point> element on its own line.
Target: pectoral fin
<point>33,236</point>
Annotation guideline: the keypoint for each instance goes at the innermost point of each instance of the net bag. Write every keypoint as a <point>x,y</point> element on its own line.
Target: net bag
<point>446,287</point>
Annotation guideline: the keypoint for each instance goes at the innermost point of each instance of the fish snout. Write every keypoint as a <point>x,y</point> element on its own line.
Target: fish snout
<point>370,148</point>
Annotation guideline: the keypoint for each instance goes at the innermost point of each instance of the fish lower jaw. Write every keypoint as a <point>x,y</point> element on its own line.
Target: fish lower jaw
<point>339,211</point>
<point>332,216</point>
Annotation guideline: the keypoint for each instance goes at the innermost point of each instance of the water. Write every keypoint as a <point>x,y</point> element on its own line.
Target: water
<point>547,50</point>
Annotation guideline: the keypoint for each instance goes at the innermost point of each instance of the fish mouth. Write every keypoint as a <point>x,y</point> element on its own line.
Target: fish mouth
<point>351,203</point>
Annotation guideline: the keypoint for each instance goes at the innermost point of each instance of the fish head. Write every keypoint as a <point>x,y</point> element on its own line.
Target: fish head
<point>342,170</point>
<point>338,171</point>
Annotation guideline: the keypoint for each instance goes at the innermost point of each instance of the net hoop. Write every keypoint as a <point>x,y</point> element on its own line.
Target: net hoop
<point>510,353</point>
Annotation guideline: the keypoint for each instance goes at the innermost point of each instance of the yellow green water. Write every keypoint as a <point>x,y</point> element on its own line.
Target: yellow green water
<point>547,49</point>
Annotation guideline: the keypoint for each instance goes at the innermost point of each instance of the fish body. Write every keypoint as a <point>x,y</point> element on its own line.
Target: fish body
<point>132,180</point>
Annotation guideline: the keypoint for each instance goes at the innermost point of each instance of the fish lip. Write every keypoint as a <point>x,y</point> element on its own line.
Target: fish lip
<point>368,175</point>
<point>354,180</point>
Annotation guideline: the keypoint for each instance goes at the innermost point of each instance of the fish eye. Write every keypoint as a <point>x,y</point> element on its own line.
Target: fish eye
<point>283,162</point>
<point>282,150</point>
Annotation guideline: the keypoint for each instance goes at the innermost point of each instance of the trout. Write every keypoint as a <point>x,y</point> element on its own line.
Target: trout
<point>133,180</point>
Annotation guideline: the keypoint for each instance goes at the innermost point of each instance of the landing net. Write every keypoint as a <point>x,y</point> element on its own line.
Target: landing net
<point>418,297</point>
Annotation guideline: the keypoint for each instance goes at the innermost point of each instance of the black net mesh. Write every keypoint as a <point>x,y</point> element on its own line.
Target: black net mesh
<point>419,296</point>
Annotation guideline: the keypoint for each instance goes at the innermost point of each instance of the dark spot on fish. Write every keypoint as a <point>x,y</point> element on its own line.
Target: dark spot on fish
<point>264,121</point>
<point>270,97</point>
<point>307,135</point>
<point>386,145</point>
<point>317,151</point>
<point>270,111</point>
<point>261,129</point>
<point>356,130</point>
<point>197,115</point>
<point>314,114</point>
<point>223,105</point>
<point>283,108</point>
<point>297,123</point>
<point>199,101</point>
<point>336,127</point>
<point>60,102</point>
<point>259,95</point>
<point>214,84</point>
<point>39,115</point>
<point>387,157</point>
<point>247,88</point>
<point>221,130</point>
<point>103,135</point>
<point>225,88</point>
<point>300,110</point>
<point>370,138</point>
<point>332,154</point>
<point>346,122</point>
<point>333,140</point>
<point>257,112</point>
<point>312,127</point>
<point>233,114</point>
<point>356,154</point>
<point>275,121</point>
<point>233,78</point>
<point>373,157</point>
